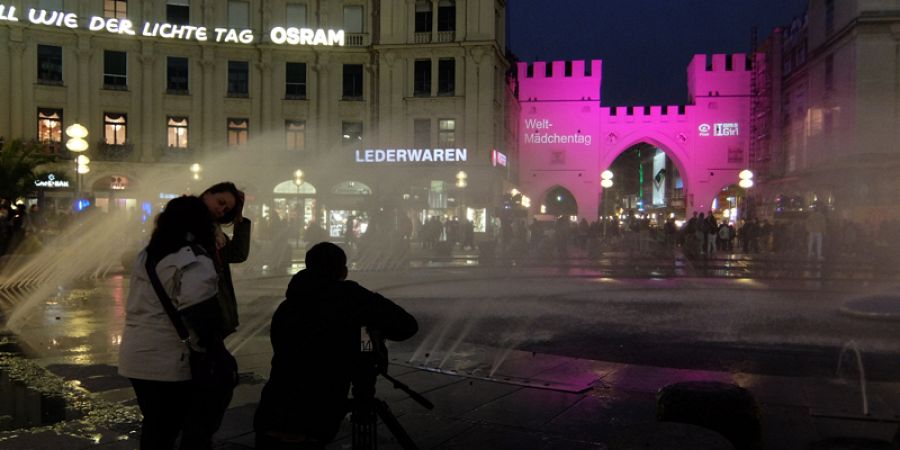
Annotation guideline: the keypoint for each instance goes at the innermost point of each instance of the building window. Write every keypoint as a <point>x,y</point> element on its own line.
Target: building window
<point>295,132</point>
<point>238,14</point>
<point>114,128</point>
<point>178,12</point>
<point>49,65</point>
<point>351,132</point>
<point>115,70</point>
<point>50,123</point>
<point>422,133</point>
<point>177,132</point>
<point>446,133</point>
<point>446,77</point>
<point>422,78</point>
<point>424,17</point>
<point>447,15</point>
<point>295,81</point>
<point>353,19</point>
<point>238,130</point>
<point>353,82</point>
<point>829,72</point>
<point>176,75</point>
<point>115,9</point>
<point>238,78</point>
<point>829,17</point>
<point>296,15</point>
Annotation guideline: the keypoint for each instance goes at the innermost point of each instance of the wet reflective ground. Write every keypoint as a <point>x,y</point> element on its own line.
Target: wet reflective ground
<point>790,328</point>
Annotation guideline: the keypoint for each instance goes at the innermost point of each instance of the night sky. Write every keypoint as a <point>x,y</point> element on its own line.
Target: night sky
<point>645,45</point>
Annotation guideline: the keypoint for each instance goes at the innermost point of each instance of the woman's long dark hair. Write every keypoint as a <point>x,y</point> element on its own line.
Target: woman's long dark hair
<point>185,220</point>
<point>229,187</point>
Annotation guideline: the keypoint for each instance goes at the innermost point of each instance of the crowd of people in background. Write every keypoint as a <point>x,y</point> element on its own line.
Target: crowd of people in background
<point>817,235</point>
<point>24,228</point>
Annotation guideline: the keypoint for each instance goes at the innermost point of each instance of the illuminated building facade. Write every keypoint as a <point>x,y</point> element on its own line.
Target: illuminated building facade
<point>277,86</point>
<point>833,105</point>
<point>567,138</point>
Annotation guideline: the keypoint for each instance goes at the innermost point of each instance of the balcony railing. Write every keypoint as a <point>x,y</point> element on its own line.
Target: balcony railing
<point>114,152</point>
<point>423,38</point>
<point>175,154</point>
<point>356,40</point>
<point>446,36</point>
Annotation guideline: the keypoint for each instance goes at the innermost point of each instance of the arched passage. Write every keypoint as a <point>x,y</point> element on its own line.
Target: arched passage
<point>559,201</point>
<point>648,181</point>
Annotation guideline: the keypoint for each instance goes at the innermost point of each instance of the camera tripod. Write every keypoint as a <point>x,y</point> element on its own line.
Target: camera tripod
<point>365,410</point>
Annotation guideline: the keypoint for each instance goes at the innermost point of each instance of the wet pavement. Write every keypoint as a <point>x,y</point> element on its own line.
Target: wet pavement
<point>529,357</point>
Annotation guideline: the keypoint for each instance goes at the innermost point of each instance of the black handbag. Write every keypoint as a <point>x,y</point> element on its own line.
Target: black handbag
<point>215,367</point>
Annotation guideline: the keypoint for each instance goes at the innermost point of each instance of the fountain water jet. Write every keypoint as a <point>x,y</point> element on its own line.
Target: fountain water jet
<point>851,345</point>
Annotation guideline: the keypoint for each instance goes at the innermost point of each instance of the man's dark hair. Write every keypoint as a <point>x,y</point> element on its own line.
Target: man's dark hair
<point>327,260</point>
<point>229,187</point>
<point>185,220</point>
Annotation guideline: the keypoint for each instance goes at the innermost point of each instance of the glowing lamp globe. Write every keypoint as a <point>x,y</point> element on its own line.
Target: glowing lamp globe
<point>83,169</point>
<point>746,183</point>
<point>607,183</point>
<point>76,145</point>
<point>607,175</point>
<point>76,131</point>
<point>82,160</point>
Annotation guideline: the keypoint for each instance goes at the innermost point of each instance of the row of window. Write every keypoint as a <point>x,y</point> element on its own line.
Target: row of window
<point>115,75</point>
<point>115,131</point>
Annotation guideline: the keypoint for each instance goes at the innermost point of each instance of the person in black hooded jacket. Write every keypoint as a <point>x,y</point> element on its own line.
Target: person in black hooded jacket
<point>315,336</point>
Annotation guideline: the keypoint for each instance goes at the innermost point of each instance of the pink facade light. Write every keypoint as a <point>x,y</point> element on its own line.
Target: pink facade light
<point>567,136</point>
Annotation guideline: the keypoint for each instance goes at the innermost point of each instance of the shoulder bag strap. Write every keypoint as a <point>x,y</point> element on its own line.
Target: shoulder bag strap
<point>166,301</point>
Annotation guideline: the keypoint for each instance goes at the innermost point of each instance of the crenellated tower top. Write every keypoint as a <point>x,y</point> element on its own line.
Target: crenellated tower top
<point>560,80</point>
<point>718,75</point>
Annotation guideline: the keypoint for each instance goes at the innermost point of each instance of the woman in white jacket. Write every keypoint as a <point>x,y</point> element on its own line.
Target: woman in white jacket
<point>152,354</point>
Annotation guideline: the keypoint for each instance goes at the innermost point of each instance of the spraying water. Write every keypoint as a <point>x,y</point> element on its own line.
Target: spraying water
<point>851,345</point>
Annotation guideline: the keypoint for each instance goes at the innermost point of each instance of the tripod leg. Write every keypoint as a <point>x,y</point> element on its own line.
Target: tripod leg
<point>392,424</point>
<point>364,425</point>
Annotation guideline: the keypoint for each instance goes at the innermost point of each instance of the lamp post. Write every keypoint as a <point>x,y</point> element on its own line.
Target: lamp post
<point>76,143</point>
<point>196,169</point>
<point>461,182</point>
<point>746,182</point>
<point>606,182</point>
<point>298,181</point>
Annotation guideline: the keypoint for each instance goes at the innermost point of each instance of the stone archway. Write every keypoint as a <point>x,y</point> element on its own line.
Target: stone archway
<point>673,151</point>
<point>559,201</point>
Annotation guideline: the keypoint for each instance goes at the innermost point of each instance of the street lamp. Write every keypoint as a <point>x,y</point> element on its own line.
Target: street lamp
<point>77,144</point>
<point>195,169</point>
<point>606,179</point>
<point>301,218</point>
<point>746,177</point>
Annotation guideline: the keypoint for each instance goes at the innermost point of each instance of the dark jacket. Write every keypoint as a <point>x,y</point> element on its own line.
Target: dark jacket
<point>316,339</point>
<point>236,250</point>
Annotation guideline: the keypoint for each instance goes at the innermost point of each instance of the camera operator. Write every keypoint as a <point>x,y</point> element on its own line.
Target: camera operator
<point>315,337</point>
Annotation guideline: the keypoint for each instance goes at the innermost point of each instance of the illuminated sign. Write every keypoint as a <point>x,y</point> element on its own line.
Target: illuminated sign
<point>718,129</point>
<point>51,182</point>
<point>412,155</point>
<point>725,129</point>
<point>540,134</point>
<point>278,35</point>
<point>306,36</point>
<point>498,159</point>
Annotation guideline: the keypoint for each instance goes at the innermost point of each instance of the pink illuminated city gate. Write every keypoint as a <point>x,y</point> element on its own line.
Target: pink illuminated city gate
<point>567,138</point>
